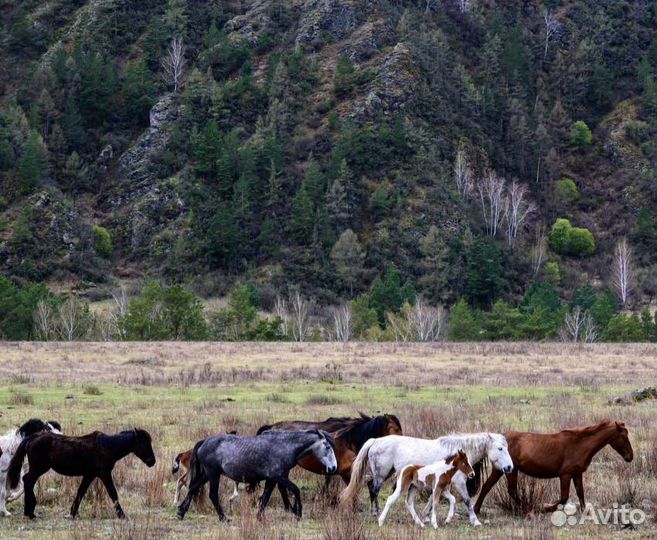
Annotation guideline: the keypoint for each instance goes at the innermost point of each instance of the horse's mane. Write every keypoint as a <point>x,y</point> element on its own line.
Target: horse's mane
<point>118,441</point>
<point>474,445</point>
<point>363,428</point>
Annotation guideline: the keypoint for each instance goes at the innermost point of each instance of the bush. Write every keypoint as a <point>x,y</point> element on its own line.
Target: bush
<point>566,191</point>
<point>637,130</point>
<point>624,328</point>
<point>580,134</point>
<point>568,240</point>
<point>462,324</point>
<point>102,242</point>
<point>552,273</point>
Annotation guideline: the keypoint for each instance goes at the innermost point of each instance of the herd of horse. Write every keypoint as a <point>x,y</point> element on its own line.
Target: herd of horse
<point>357,449</point>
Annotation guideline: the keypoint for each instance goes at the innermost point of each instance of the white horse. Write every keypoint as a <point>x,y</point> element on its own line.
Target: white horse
<point>9,442</point>
<point>393,452</point>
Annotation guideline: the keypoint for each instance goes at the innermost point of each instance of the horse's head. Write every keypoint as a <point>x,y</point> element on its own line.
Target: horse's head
<point>32,426</point>
<point>54,427</point>
<point>498,453</point>
<point>324,450</point>
<point>393,426</point>
<point>462,464</point>
<point>620,441</point>
<point>143,448</point>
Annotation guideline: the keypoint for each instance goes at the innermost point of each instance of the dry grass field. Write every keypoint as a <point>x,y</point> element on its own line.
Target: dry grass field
<point>181,392</point>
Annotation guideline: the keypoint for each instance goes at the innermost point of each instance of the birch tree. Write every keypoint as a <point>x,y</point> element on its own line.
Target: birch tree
<point>282,312</point>
<point>342,322</point>
<point>173,64</point>
<point>622,273</point>
<point>491,196</point>
<point>299,316</point>
<point>72,319</point>
<point>552,27</point>
<point>578,326</point>
<point>463,174</point>
<point>516,210</point>
<point>540,249</point>
<point>44,321</point>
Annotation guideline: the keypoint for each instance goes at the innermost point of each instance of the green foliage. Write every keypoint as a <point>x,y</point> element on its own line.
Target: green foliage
<point>566,191</point>
<point>32,165</point>
<point>138,91</point>
<point>102,241</point>
<point>483,271</point>
<point>363,317</point>
<point>580,135</point>
<point>164,313</point>
<point>603,309</point>
<point>224,238</point>
<point>462,324</point>
<point>568,240</point>
<point>624,328</point>
<point>501,322</point>
<point>347,255</point>
<point>552,272</point>
<point>302,219</point>
<point>386,295</point>
<point>17,304</point>
<point>584,297</point>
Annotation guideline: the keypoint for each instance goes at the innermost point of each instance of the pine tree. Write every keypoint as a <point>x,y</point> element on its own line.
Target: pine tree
<point>341,198</point>
<point>302,218</point>
<point>176,17</point>
<point>33,164</point>
<point>315,183</point>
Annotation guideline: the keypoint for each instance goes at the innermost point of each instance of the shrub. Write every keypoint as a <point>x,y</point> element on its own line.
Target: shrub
<point>552,272</point>
<point>568,240</point>
<point>566,191</point>
<point>624,328</point>
<point>462,324</point>
<point>102,241</point>
<point>580,134</point>
<point>637,130</point>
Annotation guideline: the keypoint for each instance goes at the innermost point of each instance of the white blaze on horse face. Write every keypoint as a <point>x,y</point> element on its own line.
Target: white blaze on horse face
<point>498,454</point>
<point>324,452</point>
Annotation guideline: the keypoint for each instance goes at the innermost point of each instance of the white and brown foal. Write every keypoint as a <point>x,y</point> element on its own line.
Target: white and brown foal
<point>437,476</point>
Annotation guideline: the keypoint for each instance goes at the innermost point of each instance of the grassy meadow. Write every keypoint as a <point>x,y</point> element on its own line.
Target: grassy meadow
<point>182,392</point>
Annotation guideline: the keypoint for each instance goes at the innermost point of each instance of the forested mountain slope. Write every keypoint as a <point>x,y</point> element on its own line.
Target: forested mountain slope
<point>320,143</point>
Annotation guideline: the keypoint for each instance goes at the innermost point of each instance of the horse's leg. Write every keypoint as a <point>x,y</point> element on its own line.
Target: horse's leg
<point>266,494</point>
<point>84,486</point>
<point>286,499</point>
<point>459,483</point>
<point>374,486</point>
<point>410,504</point>
<point>579,488</point>
<point>194,488</point>
<point>452,504</point>
<point>495,475</point>
<point>108,482</point>
<point>235,495</point>
<point>399,488</point>
<point>4,466</point>
<point>565,491</point>
<point>29,480</point>
<point>284,483</point>
<point>214,496</point>
<point>182,481</point>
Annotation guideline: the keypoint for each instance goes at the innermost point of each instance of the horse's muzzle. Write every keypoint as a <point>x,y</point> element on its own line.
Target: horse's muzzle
<point>150,462</point>
<point>508,469</point>
<point>331,470</point>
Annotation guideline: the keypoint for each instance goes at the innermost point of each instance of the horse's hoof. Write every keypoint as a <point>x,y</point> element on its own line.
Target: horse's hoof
<point>477,523</point>
<point>4,513</point>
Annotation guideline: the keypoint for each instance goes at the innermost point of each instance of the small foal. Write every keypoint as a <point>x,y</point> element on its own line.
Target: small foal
<point>438,476</point>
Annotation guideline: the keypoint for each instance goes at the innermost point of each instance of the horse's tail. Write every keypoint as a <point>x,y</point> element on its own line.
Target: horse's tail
<point>262,429</point>
<point>16,464</point>
<point>357,473</point>
<point>176,463</point>
<point>473,484</point>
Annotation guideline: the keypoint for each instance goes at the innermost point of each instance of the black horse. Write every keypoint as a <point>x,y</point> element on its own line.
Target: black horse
<point>90,456</point>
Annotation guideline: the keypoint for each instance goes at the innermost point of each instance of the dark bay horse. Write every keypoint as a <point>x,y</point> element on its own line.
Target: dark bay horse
<point>90,456</point>
<point>349,434</point>
<point>250,460</point>
<point>566,454</point>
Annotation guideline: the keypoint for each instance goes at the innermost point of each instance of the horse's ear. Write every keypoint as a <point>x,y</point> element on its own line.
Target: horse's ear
<point>620,426</point>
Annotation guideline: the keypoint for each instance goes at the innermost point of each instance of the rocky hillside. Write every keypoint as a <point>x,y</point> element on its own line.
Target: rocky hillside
<point>322,142</point>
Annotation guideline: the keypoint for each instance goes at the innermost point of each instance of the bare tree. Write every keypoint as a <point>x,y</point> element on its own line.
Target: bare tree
<point>300,319</point>
<point>578,326</point>
<point>426,321</point>
<point>463,174</point>
<point>72,319</point>
<point>281,310</point>
<point>540,249</point>
<point>516,210</point>
<point>173,64</point>
<point>44,323</point>
<point>552,27</point>
<point>491,195</point>
<point>622,273</point>
<point>464,5</point>
<point>342,322</point>
<point>113,322</point>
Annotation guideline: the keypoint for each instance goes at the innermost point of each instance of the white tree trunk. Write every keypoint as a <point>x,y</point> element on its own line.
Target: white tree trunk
<point>300,320</point>
<point>342,322</point>
<point>491,194</point>
<point>173,64</point>
<point>622,270</point>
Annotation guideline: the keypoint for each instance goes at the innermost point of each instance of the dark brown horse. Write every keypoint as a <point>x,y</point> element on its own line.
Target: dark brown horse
<point>349,434</point>
<point>566,454</point>
<point>90,456</point>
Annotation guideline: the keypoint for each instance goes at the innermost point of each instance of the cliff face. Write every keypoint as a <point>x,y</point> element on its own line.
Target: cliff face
<point>299,120</point>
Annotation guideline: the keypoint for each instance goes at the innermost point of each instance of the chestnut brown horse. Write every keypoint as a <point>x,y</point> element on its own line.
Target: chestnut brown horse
<point>566,454</point>
<point>349,434</point>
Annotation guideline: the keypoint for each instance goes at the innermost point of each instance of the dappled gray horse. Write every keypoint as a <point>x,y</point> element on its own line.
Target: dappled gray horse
<point>268,457</point>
